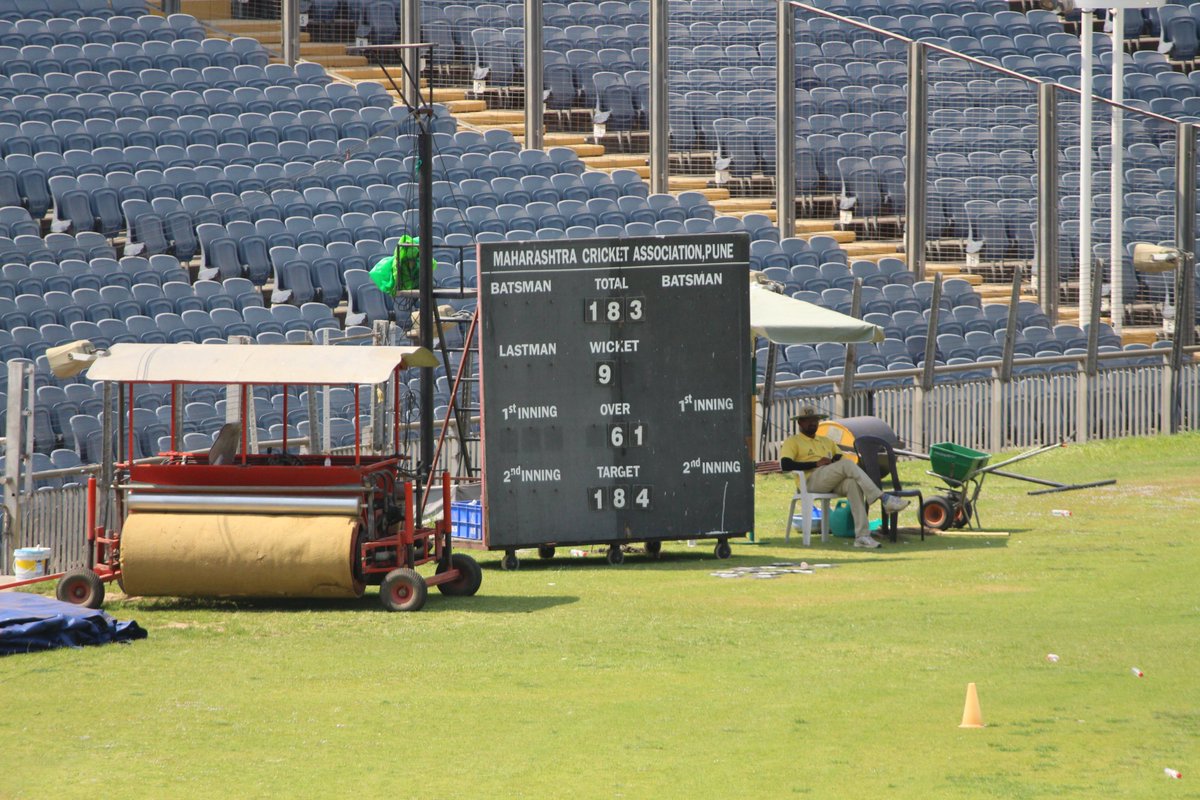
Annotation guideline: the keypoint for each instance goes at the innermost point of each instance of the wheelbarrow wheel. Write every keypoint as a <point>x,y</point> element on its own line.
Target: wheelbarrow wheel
<point>962,515</point>
<point>81,587</point>
<point>936,513</point>
<point>470,576</point>
<point>403,590</point>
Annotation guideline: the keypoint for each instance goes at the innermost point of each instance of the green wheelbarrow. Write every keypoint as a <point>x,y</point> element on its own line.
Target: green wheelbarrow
<point>962,471</point>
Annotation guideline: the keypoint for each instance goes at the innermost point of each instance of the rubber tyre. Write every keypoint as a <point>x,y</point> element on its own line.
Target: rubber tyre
<point>962,518</point>
<point>654,549</point>
<point>545,551</point>
<point>81,587</point>
<point>937,514</point>
<point>509,562</point>
<point>615,555</point>
<point>469,578</point>
<point>722,550</point>
<point>403,590</point>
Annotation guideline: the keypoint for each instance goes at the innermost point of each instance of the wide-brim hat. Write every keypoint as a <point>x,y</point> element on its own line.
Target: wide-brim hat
<point>809,411</point>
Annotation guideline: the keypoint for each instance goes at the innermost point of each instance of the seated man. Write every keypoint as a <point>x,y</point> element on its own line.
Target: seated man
<point>826,471</point>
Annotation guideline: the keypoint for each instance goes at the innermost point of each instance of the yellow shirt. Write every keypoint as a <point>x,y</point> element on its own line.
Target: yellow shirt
<point>803,449</point>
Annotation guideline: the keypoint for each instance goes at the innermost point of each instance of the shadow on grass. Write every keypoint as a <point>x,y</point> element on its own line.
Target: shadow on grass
<point>480,603</point>
<point>500,604</point>
<point>699,562</point>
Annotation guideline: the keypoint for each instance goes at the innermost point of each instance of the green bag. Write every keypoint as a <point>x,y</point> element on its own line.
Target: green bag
<point>401,270</point>
<point>841,521</point>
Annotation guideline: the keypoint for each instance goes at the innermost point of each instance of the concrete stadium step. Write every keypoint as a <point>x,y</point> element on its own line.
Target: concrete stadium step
<point>860,249</point>
<point>740,206</point>
<point>492,118</point>
<point>207,9</point>
<point>614,161</point>
<point>265,30</point>
<point>312,51</point>
<point>1146,336</point>
<point>841,237</point>
<point>334,63</point>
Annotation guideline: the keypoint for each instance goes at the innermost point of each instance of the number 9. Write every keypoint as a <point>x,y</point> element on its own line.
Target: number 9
<point>604,373</point>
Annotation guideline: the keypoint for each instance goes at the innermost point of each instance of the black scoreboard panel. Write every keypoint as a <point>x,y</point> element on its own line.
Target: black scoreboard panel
<point>616,381</point>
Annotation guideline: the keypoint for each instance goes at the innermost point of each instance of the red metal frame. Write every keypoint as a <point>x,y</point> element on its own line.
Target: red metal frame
<point>369,477</point>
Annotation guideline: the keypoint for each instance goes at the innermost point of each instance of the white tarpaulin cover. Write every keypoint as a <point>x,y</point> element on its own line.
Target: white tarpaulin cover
<point>784,320</point>
<point>260,363</point>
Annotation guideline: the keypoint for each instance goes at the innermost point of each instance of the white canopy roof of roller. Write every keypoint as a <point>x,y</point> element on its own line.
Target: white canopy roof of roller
<point>784,320</point>
<point>259,364</point>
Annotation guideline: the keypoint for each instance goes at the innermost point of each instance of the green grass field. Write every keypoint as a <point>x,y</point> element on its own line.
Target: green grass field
<point>655,679</point>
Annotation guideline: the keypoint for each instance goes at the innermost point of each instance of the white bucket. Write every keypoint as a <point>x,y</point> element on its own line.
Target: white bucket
<point>31,562</point>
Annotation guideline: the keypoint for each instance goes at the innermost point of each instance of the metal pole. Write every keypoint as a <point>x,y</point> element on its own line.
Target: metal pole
<point>425,149</point>
<point>915,191</point>
<point>1047,223</point>
<point>1010,331</point>
<point>1185,233</point>
<point>535,104</point>
<point>851,349</point>
<point>785,120</point>
<point>13,457</point>
<point>659,122</point>
<point>1093,333</point>
<point>1087,21</point>
<point>931,335</point>
<point>1185,272</point>
<point>104,509</point>
<point>410,31</point>
<point>1116,253</point>
<point>170,7</point>
<point>289,19</point>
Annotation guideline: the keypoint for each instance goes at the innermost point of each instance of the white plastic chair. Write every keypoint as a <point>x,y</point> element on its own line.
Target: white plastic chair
<point>805,499</point>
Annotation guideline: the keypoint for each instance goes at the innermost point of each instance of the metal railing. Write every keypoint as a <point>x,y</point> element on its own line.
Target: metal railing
<point>1128,395</point>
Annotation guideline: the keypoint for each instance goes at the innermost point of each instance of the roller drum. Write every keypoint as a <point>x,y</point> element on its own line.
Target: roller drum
<point>240,555</point>
<point>242,503</point>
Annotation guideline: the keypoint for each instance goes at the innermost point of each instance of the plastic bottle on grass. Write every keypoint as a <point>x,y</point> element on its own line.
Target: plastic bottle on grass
<point>1137,673</point>
<point>1172,773</point>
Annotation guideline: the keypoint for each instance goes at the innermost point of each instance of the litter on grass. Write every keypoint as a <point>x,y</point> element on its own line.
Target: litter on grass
<point>776,570</point>
<point>1052,658</point>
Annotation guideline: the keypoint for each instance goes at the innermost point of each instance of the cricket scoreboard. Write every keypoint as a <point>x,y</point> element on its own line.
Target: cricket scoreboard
<point>616,386</point>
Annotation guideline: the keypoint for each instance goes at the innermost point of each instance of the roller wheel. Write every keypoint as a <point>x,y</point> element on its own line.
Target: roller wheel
<point>403,590</point>
<point>468,580</point>
<point>936,514</point>
<point>545,551</point>
<point>510,562</point>
<point>654,549</point>
<point>615,555</point>
<point>962,516</point>
<point>722,550</point>
<point>81,587</point>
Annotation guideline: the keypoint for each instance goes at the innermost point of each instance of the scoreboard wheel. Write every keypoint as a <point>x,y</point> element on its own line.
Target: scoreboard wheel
<point>510,562</point>
<point>545,551</point>
<point>615,555</point>
<point>654,549</point>
<point>722,550</point>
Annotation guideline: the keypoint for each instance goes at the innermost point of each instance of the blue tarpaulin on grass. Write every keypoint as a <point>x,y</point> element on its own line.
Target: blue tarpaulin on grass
<point>30,622</point>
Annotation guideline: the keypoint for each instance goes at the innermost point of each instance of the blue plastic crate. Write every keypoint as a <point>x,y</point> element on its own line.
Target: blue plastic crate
<point>466,521</point>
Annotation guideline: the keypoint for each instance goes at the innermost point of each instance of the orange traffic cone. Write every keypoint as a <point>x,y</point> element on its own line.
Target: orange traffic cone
<point>972,716</point>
